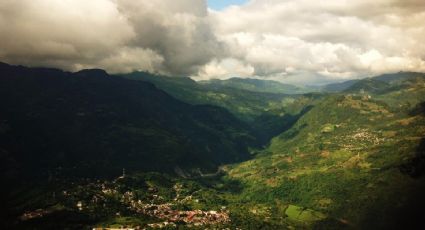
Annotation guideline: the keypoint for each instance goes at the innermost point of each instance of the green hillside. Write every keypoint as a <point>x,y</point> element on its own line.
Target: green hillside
<point>243,103</point>
<point>349,158</point>
<point>375,83</point>
<point>267,113</point>
<point>255,85</point>
<point>102,151</point>
<point>399,77</point>
<point>369,85</point>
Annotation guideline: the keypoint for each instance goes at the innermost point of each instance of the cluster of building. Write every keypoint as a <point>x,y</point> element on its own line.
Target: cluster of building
<point>121,228</point>
<point>162,210</point>
<point>34,214</point>
<point>157,206</point>
<point>194,217</point>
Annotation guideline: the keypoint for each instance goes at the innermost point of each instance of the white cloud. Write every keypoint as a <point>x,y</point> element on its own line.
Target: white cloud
<point>132,59</point>
<point>224,69</point>
<point>330,39</point>
<point>303,41</point>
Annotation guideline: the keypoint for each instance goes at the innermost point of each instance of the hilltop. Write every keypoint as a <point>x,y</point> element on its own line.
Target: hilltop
<point>380,81</point>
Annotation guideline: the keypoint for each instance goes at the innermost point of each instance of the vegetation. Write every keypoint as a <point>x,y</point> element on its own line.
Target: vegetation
<point>349,159</point>
<point>98,122</point>
<point>256,85</point>
<point>345,158</point>
<point>267,112</point>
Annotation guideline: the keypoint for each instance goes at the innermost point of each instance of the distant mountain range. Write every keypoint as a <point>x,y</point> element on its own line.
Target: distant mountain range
<point>378,81</point>
<point>255,85</point>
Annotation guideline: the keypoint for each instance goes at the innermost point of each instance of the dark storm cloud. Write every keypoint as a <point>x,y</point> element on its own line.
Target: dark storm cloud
<point>178,30</point>
<point>118,35</point>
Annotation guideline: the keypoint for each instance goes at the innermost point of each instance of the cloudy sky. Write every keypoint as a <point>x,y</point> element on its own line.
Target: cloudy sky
<point>295,41</point>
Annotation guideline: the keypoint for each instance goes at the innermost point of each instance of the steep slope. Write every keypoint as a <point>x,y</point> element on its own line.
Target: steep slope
<point>368,85</point>
<point>402,91</point>
<point>357,161</point>
<point>338,87</point>
<point>374,84</point>
<point>268,113</point>
<point>94,123</point>
<point>255,85</point>
<point>243,103</point>
<point>401,76</point>
<point>353,159</point>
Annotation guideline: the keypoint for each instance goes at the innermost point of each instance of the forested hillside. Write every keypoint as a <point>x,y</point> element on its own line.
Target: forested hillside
<point>53,119</point>
<point>97,150</point>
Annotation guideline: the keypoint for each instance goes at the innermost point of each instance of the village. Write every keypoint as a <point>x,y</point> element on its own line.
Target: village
<point>171,216</point>
<point>190,218</point>
<point>153,205</point>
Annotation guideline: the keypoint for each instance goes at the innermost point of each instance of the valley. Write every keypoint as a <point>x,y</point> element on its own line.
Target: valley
<point>212,115</point>
<point>209,155</point>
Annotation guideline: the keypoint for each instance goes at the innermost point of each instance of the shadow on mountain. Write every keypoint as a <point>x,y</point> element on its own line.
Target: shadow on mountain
<point>90,123</point>
<point>416,166</point>
<point>268,126</point>
<point>412,215</point>
<point>418,110</point>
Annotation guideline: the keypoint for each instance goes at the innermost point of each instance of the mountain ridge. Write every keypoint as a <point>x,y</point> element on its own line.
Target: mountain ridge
<point>61,105</point>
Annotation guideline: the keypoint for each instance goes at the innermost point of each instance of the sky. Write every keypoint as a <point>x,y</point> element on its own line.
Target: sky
<point>293,41</point>
<point>222,4</point>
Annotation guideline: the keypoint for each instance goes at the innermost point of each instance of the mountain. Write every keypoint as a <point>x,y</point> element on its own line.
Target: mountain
<point>244,104</point>
<point>373,83</point>
<point>255,85</point>
<point>353,160</point>
<point>340,86</point>
<point>368,85</point>
<point>267,113</point>
<point>94,123</point>
<point>342,161</point>
<point>401,76</point>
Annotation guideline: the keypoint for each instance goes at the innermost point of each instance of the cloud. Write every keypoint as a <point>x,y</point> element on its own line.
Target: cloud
<point>328,40</point>
<point>60,33</point>
<point>224,69</point>
<point>301,41</point>
<point>171,37</point>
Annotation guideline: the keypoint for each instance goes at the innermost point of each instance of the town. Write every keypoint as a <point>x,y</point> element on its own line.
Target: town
<point>90,197</point>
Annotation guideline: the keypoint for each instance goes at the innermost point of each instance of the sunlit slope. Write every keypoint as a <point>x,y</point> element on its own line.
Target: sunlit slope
<point>353,157</point>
